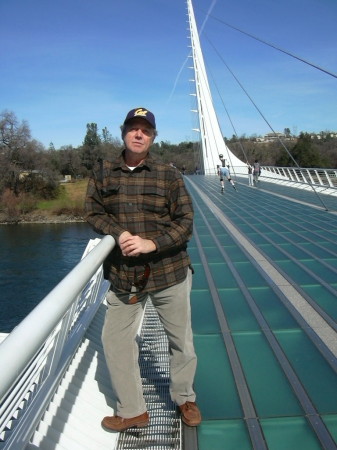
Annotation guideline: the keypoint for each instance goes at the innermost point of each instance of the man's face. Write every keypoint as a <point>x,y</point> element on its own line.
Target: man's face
<point>139,136</point>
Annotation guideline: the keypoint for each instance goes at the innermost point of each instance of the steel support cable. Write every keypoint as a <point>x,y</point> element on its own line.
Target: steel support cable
<point>265,119</point>
<point>305,401</point>
<point>286,52</point>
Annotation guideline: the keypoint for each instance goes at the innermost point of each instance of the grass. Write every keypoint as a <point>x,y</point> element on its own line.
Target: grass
<point>69,201</point>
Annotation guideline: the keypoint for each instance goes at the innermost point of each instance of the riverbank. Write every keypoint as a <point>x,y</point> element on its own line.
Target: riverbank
<point>66,208</point>
<point>40,217</point>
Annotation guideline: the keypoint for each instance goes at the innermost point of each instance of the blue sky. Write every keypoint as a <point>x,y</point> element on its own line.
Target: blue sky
<point>67,63</point>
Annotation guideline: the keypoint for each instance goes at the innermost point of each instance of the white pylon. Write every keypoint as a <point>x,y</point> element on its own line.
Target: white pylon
<point>212,141</point>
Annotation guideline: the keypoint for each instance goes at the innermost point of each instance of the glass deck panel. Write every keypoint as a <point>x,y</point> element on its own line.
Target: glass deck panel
<point>214,381</point>
<point>258,239</point>
<point>223,434</point>
<point>292,433</point>
<point>332,262</point>
<point>318,251</point>
<point>235,253</point>
<point>329,245</point>
<point>314,237</point>
<point>317,376</point>
<point>194,255</point>
<point>324,298</point>
<point>244,227</point>
<point>269,387</point>
<point>206,240</point>
<point>295,252</point>
<point>199,280</point>
<point>213,255</point>
<point>238,314</point>
<point>273,252</point>
<point>249,274</point>
<point>299,275</point>
<point>202,229</point>
<point>224,239</point>
<point>222,276</point>
<point>287,226</point>
<point>204,318</point>
<point>260,227</point>
<point>321,270</point>
<point>273,310</point>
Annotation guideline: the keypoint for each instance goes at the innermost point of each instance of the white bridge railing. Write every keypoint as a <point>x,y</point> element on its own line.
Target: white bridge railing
<point>300,177</point>
<point>35,355</point>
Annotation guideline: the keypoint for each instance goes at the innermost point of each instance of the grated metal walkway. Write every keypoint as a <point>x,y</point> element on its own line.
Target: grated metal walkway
<point>164,431</point>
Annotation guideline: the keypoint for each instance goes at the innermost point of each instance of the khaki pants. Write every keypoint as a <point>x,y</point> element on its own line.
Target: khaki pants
<point>121,325</point>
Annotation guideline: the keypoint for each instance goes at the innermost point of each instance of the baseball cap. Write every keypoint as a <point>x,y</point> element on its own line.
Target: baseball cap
<point>141,113</point>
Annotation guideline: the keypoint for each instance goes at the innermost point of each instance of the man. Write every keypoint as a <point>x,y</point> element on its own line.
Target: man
<point>224,173</point>
<point>145,206</point>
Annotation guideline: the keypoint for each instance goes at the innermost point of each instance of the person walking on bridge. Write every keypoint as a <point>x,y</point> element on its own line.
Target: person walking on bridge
<point>143,203</point>
<point>224,173</point>
<point>250,175</point>
<point>256,171</point>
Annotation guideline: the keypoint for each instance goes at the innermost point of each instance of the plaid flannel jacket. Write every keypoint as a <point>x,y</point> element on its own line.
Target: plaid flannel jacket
<point>150,201</point>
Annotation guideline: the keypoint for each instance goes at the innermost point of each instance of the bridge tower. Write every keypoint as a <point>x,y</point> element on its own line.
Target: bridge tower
<point>212,141</point>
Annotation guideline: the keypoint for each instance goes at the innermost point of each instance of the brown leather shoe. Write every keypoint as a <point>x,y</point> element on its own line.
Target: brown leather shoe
<point>117,423</point>
<point>190,414</point>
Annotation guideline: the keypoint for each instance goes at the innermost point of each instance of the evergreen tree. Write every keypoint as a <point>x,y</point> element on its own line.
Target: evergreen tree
<point>303,152</point>
<point>91,150</point>
<point>92,138</point>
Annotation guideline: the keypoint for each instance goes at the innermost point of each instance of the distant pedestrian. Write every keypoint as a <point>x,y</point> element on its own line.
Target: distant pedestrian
<point>224,173</point>
<point>256,171</point>
<point>250,175</point>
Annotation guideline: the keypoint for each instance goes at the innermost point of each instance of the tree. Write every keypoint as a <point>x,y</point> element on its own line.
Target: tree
<point>303,152</point>
<point>23,163</point>
<point>106,136</point>
<point>91,150</point>
<point>14,139</point>
<point>92,138</point>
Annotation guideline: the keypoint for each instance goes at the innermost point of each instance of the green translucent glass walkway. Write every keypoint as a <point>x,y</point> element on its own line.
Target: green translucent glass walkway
<point>265,378</point>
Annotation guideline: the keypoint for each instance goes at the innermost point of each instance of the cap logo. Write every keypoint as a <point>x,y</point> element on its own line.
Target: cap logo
<point>140,112</point>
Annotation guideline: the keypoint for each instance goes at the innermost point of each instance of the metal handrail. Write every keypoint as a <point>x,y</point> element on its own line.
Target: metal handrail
<point>313,176</point>
<point>33,352</point>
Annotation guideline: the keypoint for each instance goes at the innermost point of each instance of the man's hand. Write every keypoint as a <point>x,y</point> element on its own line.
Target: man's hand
<point>135,245</point>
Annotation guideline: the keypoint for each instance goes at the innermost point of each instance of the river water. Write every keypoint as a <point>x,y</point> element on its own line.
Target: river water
<point>33,260</point>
